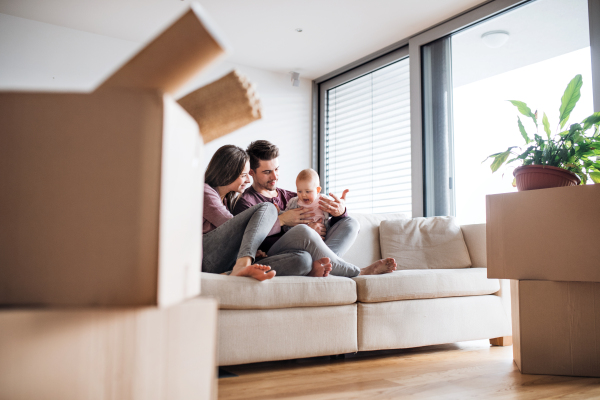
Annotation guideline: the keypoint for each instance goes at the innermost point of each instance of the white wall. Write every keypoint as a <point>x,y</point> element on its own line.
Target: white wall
<point>286,118</point>
<point>40,56</point>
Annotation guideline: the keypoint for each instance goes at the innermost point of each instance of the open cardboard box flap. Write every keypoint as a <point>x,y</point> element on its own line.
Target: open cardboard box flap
<point>172,58</point>
<point>101,200</point>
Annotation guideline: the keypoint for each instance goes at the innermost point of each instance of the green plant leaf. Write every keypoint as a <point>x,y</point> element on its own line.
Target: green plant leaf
<point>522,129</point>
<point>569,99</point>
<point>546,125</point>
<point>524,109</point>
<point>593,119</point>
<point>595,176</point>
<point>499,160</point>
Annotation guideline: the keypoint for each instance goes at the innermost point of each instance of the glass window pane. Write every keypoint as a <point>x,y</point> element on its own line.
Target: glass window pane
<point>547,45</point>
<point>367,140</point>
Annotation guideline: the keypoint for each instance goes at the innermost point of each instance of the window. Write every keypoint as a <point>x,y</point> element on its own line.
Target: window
<point>457,104</point>
<point>466,87</point>
<point>366,145</point>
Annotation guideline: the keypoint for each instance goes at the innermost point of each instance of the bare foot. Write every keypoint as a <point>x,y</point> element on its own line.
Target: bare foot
<point>384,266</point>
<point>327,269</point>
<point>321,267</point>
<point>256,271</point>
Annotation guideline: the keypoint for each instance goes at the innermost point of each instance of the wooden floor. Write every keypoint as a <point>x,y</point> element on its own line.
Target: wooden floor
<point>467,370</point>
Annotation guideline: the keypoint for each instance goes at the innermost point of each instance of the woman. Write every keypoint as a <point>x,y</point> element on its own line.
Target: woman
<point>231,243</point>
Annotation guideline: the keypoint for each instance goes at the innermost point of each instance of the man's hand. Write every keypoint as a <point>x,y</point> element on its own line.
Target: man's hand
<point>260,254</point>
<point>319,227</point>
<point>295,217</point>
<point>335,207</point>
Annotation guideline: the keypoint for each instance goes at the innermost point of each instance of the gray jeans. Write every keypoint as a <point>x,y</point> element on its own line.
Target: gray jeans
<point>338,240</point>
<point>241,236</point>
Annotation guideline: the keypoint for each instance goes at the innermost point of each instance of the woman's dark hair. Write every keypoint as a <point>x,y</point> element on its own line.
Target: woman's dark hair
<point>225,166</point>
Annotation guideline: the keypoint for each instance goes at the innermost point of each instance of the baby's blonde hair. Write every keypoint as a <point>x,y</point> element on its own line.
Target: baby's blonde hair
<point>308,174</point>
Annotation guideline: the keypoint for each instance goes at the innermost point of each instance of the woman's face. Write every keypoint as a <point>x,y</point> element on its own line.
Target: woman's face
<point>242,182</point>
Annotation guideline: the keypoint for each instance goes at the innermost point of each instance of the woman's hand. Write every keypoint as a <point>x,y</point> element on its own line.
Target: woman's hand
<point>335,207</point>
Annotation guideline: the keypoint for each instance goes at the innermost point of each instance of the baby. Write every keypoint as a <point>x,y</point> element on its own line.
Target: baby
<point>308,189</point>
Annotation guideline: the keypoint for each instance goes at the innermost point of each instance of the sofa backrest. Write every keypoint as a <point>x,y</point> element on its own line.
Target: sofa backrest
<point>366,248</point>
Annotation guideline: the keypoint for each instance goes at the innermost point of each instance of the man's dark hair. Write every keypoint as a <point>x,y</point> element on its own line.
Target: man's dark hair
<point>261,150</point>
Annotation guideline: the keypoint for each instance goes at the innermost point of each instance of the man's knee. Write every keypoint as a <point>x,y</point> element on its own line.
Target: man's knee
<point>352,224</point>
<point>268,208</point>
<point>301,230</point>
<point>304,263</point>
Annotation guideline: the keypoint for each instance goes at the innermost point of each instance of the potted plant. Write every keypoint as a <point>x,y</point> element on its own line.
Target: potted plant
<point>566,158</point>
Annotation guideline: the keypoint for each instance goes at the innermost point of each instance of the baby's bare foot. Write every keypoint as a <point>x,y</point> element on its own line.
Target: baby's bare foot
<point>256,271</point>
<point>384,266</point>
<point>321,267</point>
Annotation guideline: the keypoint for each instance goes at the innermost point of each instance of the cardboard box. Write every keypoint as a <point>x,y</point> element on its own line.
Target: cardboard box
<point>556,327</point>
<point>142,353</point>
<point>101,193</point>
<point>546,234</point>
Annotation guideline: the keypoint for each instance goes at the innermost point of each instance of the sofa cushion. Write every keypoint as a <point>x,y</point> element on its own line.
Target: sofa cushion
<point>365,249</point>
<point>243,293</point>
<point>419,243</point>
<point>425,284</point>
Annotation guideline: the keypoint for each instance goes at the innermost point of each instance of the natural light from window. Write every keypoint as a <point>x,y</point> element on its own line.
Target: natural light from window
<point>486,123</point>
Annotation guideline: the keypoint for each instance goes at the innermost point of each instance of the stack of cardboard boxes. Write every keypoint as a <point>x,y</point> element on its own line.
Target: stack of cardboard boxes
<point>100,234</point>
<point>546,241</point>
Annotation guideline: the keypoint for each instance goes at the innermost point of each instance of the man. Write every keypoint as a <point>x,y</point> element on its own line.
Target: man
<point>264,169</point>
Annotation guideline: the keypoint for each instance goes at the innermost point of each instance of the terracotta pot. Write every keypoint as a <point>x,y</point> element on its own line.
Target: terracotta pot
<point>530,177</point>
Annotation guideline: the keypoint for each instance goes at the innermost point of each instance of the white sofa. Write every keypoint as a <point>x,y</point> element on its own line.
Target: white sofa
<point>296,317</point>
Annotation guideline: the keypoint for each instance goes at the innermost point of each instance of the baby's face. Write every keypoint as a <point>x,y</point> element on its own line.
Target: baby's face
<point>307,190</point>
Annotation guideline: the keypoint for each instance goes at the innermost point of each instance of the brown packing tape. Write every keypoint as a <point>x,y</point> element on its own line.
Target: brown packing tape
<point>223,106</point>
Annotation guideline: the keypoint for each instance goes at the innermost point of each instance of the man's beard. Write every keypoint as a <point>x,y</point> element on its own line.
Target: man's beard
<point>273,186</point>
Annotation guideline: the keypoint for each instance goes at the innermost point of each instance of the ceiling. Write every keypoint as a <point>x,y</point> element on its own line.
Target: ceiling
<point>538,31</point>
<point>262,32</point>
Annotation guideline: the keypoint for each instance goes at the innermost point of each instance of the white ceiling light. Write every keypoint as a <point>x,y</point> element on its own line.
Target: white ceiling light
<point>494,39</point>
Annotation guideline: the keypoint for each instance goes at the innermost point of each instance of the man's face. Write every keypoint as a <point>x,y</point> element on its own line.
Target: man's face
<point>266,175</point>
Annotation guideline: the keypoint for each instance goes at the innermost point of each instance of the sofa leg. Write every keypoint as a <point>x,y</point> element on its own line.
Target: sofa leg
<point>501,341</point>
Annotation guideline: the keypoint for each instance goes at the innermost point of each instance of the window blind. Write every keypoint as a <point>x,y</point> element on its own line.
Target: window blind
<point>367,141</point>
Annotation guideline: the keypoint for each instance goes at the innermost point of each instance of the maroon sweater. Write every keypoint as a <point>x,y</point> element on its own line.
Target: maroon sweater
<point>251,197</point>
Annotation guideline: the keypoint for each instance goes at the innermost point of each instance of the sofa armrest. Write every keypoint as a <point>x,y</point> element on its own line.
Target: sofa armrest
<point>474,236</point>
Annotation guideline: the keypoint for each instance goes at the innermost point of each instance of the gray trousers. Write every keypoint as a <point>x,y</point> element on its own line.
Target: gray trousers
<point>338,240</point>
<point>241,236</point>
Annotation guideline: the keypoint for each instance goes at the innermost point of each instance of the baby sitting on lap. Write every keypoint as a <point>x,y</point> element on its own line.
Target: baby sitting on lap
<point>308,189</point>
